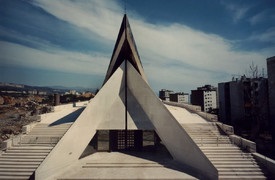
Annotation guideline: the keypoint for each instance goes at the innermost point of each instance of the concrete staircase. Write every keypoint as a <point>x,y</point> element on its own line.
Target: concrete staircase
<point>22,159</point>
<point>230,161</point>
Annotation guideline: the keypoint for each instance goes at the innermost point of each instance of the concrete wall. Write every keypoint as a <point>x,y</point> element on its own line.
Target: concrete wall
<point>229,130</point>
<point>266,162</point>
<point>243,143</point>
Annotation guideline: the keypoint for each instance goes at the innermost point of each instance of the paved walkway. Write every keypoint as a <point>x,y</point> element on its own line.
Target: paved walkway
<point>118,165</point>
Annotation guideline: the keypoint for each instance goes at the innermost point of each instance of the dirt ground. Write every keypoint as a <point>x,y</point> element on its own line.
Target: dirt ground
<point>12,119</point>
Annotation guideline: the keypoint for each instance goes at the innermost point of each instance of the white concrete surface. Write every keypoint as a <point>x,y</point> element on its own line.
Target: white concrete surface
<point>116,165</point>
<point>183,116</point>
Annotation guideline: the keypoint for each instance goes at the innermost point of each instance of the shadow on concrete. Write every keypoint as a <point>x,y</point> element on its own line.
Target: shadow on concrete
<point>69,118</point>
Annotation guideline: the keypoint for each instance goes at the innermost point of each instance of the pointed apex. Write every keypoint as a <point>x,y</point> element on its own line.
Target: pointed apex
<point>125,49</point>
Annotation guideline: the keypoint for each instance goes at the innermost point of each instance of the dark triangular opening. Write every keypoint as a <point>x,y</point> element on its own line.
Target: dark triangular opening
<point>124,49</point>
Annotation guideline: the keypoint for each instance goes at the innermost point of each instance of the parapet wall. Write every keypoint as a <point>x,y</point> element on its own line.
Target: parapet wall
<point>268,163</point>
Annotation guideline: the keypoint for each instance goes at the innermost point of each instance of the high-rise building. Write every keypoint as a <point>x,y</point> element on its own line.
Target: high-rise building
<point>164,94</point>
<point>179,97</point>
<point>271,92</point>
<point>244,102</point>
<point>205,96</point>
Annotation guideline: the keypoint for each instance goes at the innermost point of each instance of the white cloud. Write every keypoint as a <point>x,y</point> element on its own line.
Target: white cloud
<point>58,60</point>
<point>172,55</point>
<point>238,11</point>
<point>100,17</point>
<point>257,18</point>
<point>266,16</point>
<point>196,55</point>
<point>267,36</point>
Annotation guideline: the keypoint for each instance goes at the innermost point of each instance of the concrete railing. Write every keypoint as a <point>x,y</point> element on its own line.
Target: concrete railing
<point>208,116</point>
<point>27,128</point>
<point>229,130</point>
<point>268,163</point>
<point>14,140</point>
<point>62,106</point>
<point>243,143</point>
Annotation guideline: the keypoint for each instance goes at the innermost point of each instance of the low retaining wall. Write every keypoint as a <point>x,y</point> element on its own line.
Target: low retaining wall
<point>268,163</point>
<point>208,116</point>
<point>229,130</point>
<point>27,128</point>
<point>10,142</point>
<point>60,107</point>
<point>243,143</point>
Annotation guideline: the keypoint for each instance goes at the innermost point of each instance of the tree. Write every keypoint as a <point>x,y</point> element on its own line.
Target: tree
<point>253,70</point>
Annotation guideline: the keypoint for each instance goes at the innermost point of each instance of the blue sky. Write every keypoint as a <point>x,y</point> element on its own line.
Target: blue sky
<point>183,44</point>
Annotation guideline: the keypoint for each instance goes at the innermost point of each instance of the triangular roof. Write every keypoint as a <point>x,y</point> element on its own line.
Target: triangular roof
<point>125,48</point>
<point>125,95</point>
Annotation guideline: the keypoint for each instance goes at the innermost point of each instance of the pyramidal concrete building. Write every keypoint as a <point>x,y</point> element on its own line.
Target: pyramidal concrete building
<point>127,132</point>
<point>125,107</point>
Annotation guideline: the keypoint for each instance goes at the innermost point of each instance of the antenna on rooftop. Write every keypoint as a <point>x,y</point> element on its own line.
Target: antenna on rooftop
<point>125,11</point>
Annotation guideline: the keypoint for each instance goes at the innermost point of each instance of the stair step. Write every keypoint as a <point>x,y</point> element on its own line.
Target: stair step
<point>233,162</point>
<point>236,166</point>
<point>20,160</point>
<point>220,147</point>
<point>241,173</point>
<point>224,154</point>
<point>15,173</point>
<point>5,156</point>
<point>28,151</point>
<point>25,154</point>
<point>217,157</point>
<point>242,177</point>
<point>222,151</point>
<point>232,169</point>
<point>211,140</point>
<point>37,144</point>
<point>31,148</point>
<point>14,177</point>
<point>224,159</point>
<point>16,170</point>
<point>20,163</point>
<point>18,166</point>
